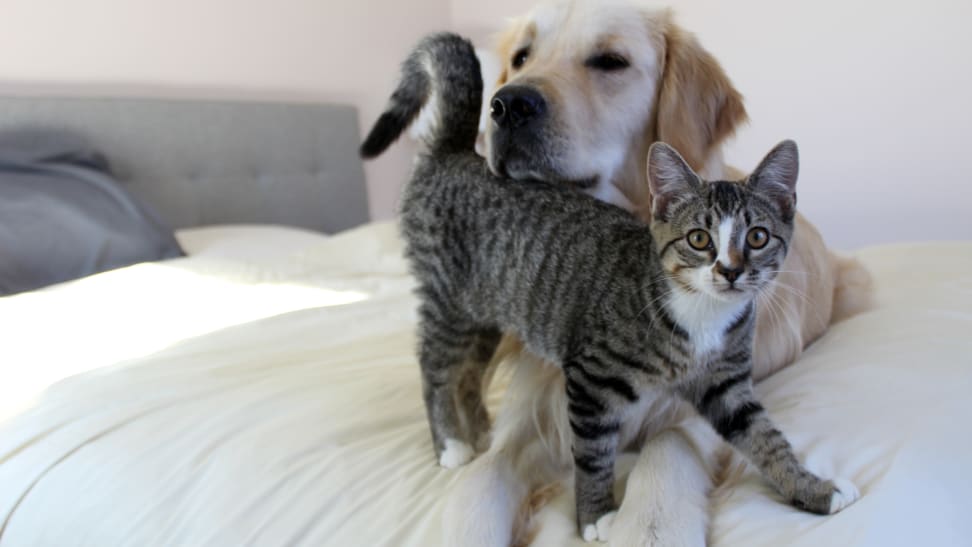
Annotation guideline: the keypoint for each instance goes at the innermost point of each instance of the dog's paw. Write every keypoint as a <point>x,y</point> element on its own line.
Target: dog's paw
<point>845,493</point>
<point>651,522</point>
<point>600,530</point>
<point>455,453</point>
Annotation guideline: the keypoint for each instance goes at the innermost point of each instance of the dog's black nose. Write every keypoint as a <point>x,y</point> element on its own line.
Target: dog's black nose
<point>729,272</point>
<point>515,105</point>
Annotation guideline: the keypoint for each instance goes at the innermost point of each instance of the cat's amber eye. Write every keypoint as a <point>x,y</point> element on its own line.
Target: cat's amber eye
<point>698,239</point>
<point>757,238</point>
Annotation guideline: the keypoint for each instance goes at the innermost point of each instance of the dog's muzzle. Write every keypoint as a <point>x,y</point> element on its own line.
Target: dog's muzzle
<point>515,106</point>
<point>519,114</point>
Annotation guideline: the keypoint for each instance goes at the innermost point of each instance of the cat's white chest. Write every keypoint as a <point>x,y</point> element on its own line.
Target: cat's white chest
<point>705,319</point>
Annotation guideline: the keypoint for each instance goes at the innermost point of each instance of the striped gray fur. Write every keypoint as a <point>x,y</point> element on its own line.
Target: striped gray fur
<point>584,284</point>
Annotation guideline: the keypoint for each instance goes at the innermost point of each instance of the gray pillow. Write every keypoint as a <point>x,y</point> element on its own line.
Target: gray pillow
<point>63,216</point>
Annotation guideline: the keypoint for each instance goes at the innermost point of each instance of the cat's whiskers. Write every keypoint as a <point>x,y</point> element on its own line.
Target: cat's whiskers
<point>763,300</point>
<point>799,294</point>
<point>790,289</point>
<point>764,295</point>
<point>803,296</point>
<point>798,272</point>
<point>667,279</point>
<point>778,312</point>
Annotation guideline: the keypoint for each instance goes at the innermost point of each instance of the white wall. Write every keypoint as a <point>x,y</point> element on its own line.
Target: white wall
<point>876,93</point>
<point>342,50</point>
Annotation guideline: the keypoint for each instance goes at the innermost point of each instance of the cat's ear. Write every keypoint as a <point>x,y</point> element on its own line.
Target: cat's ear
<point>776,176</point>
<point>669,178</point>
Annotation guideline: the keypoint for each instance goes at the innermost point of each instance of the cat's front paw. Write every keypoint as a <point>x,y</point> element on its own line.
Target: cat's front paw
<point>455,453</point>
<point>845,493</point>
<point>599,530</point>
<point>826,497</point>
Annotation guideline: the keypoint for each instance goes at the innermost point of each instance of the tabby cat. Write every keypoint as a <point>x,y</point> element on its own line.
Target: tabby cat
<point>625,309</point>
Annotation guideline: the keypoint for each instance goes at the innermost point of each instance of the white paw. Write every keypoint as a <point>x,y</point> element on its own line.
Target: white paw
<point>846,494</point>
<point>601,529</point>
<point>604,525</point>
<point>456,453</point>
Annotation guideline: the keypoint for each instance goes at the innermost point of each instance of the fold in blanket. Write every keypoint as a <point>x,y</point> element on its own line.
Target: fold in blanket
<point>64,216</point>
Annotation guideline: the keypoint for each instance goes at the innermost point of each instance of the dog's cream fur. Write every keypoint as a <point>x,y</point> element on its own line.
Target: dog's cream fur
<point>674,91</point>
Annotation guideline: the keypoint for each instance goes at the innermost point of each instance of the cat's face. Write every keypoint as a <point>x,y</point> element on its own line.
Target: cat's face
<point>724,239</point>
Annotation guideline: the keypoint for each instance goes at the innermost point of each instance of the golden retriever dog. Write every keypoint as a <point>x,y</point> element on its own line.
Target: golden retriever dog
<point>585,87</point>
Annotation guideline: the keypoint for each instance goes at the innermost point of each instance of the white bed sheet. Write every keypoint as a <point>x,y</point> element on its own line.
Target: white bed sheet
<point>266,393</point>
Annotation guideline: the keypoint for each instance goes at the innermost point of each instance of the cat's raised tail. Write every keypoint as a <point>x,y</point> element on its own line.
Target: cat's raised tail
<point>443,66</point>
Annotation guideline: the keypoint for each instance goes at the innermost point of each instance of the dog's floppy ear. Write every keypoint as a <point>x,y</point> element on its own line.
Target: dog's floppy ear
<point>697,105</point>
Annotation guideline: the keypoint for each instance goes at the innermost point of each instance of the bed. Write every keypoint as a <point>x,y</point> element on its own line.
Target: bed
<point>262,390</point>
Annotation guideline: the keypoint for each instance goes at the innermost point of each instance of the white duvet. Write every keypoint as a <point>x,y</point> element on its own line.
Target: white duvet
<point>264,391</point>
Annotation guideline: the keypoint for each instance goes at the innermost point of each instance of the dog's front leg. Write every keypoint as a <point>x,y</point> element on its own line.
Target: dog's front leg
<point>666,500</point>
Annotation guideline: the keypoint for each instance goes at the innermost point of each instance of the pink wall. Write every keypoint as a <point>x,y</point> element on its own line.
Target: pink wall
<point>875,92</point>
<point>342,50</point>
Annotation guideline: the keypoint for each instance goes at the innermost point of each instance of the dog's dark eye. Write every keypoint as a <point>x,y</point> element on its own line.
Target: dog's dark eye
<point>520,57</point>
<point>608,62</point>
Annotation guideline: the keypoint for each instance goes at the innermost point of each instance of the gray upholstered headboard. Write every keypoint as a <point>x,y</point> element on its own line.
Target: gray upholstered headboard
<point>206,162</point>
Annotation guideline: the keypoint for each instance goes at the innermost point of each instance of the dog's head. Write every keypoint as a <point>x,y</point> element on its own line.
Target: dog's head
<point>586,87</point>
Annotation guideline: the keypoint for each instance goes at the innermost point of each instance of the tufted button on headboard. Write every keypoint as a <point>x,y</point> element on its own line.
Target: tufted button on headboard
<point>211,162</point>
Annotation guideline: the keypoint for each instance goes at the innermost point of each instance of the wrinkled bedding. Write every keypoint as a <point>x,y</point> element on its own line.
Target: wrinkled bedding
<point>264,391</point>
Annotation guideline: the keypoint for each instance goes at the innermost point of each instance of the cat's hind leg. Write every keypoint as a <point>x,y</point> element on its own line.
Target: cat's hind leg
<point>470,393</point>
<point>448,347</point>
